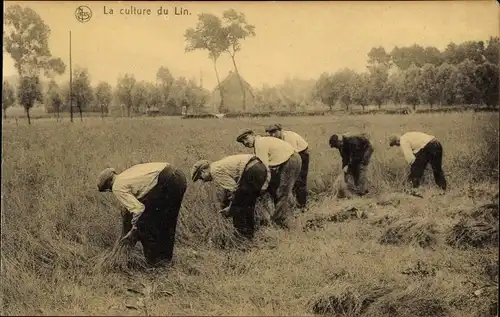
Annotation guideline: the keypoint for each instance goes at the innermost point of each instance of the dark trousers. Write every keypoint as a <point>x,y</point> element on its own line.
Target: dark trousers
<point>358,171</point>
<point>300,187</point>
<point>283,179</point>
<point>245,197</point>
<point>157,225</point>
<point>431,153</point>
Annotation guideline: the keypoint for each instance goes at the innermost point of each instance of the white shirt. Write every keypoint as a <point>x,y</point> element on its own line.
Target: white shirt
<point>227,171</point>
<point>135,182</point>
<point>295,140</point>
<point>412,142</point>
<point>272,151</point>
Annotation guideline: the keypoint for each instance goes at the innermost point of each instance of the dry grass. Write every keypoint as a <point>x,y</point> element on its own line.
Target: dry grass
<point>419,232</point>
<point>56,228</point>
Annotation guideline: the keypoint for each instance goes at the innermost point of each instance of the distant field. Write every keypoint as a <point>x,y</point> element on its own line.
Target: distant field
<point>37,113</point>
<point>55,224</point>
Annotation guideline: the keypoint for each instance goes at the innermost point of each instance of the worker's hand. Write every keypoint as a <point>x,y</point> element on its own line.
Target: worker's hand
<point>345,168</point>
<point>130,237</point>
<point>225,212</point>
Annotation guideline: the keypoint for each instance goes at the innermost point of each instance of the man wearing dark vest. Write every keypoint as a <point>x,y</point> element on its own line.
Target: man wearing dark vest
<point>356,151</point>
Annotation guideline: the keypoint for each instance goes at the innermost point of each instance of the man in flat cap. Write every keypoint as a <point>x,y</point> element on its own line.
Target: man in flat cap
<point>284,163</point>
<point>356,151</point>
<point>151,194</point>
<point>245,177</point>
<point>420,149</point>
<point>300,145</point>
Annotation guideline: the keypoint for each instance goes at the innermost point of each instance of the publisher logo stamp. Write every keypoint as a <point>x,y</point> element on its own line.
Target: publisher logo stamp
<point>83,14</point>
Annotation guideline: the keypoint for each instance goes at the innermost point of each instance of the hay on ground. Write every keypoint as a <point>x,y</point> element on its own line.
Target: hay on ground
<point>409,303</point>
<point>347,301</point>
<point>383,220</point>
<point>122,258</point>
<point>348,213</point>
<point>344,187</point>
<point>487,213</point>
<point>472,233</point>
<point>410,231</point>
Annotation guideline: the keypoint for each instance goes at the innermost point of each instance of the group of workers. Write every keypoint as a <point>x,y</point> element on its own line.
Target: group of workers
<point>152,193</point>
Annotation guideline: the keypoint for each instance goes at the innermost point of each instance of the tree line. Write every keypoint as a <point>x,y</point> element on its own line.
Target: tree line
<point>465,73</point>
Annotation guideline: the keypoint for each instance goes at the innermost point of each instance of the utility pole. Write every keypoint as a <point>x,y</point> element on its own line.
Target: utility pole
<point>70,82</point>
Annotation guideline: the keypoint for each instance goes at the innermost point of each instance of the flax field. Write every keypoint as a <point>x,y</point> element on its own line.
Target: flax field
<point>387,254</point>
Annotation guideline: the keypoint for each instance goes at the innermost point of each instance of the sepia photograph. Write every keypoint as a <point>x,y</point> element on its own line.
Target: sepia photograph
<point>244,158</point>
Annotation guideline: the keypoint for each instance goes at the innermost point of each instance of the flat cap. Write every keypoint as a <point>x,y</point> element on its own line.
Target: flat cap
<point>197,168</point>
<point>393,139</point>
<point>104,177</point>
<point>273,127</point>
<point>334,140</point>
<point>243,135</point>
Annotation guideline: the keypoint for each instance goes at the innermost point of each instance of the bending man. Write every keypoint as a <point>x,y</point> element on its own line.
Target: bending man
<point>284,163</point>
<point>152,194</point>
<point>356,151</point>
<point>300,145</point>
<point>245,177</point>
<point>420,149</point>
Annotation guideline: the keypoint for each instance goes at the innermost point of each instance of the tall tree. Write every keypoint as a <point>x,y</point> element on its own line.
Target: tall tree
<point>103,96</point>
<point>26,40</point>
<point>54,100</point>
<point>237,29</point>
<point>29,92</point>
<point>8,97</point>
<point>124,89</point>
<point>83,94</point>
<point>209,35</point>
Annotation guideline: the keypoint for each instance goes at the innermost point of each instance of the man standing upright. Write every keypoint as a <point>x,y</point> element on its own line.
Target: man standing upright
<point>419,149</point>
<point>152,194</point>
<point>300,145</point>
<point>356,151</point>
<point>284,163</point>
<point>242,175</point>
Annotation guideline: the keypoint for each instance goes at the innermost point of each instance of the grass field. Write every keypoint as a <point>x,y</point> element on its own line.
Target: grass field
<point>395,255</point>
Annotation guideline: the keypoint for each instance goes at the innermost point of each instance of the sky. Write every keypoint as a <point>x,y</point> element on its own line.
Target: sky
<point>293,39</point>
